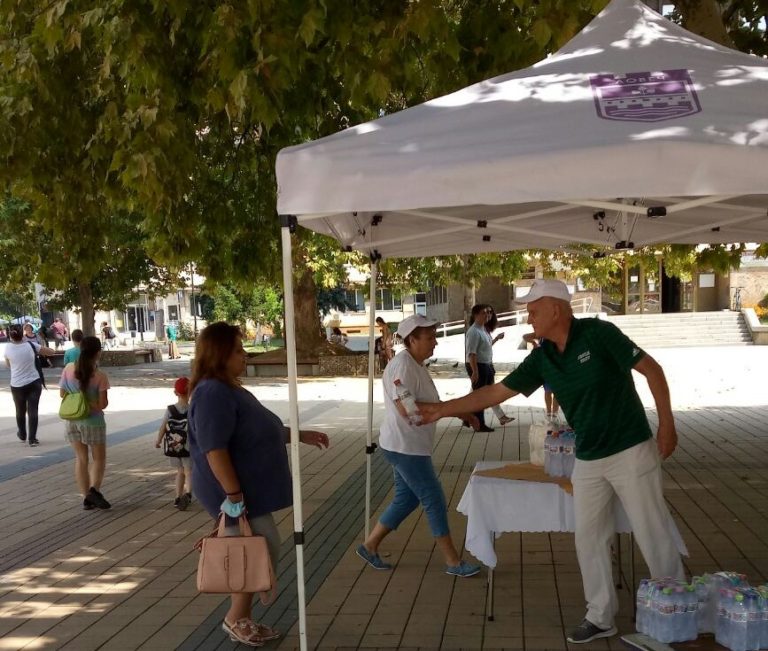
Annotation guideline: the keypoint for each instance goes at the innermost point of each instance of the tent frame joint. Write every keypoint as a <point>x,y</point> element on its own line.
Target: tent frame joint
<point>370,449</point>
<point>289,221</point>
<point>298,538</point>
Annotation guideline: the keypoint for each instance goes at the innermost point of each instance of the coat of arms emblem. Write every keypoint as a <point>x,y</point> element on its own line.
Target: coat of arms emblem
<point>645,96</point>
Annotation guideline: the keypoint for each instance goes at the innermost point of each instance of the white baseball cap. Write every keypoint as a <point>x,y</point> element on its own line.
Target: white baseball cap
<point>542,288</point>
<point>409,324</point>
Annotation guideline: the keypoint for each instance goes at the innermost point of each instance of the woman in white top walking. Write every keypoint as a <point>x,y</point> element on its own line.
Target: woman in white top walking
<point>407,446</point>
<point>26,381</point>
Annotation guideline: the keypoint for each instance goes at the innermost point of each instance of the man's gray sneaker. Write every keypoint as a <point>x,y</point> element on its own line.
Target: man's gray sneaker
<point>587,631</point>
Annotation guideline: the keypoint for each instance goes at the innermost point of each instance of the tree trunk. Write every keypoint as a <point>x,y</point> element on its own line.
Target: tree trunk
<point>309,336</point>
<point>87,313</point>
<point>704,17</point>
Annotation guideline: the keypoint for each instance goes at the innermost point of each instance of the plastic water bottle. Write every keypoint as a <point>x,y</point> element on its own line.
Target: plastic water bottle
<point>408,402</point>
<point>723,625</point>
<point>548,453</point>
<point>556,450</point>
<point>689,629</point>
<point>739,620</point>
<point>702,611</point>
<point>569,449</point>
<point>754,619</point>
<point>665,626</point>
<point>641,601</point>
<point>763,605</point>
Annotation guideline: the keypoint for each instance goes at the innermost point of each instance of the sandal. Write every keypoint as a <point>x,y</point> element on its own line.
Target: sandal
<point>265,632</point>
<point>506,419</point>
<point>243,631</point>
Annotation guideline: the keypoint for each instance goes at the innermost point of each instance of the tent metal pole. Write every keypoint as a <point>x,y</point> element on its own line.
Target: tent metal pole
<point>369,446</point>
<point>288,226</point>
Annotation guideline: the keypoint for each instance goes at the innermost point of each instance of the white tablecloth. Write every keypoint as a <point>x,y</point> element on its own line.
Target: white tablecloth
<point>493,506</point>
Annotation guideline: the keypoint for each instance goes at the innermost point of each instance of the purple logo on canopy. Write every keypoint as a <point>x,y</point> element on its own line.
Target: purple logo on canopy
<point>645,96</point>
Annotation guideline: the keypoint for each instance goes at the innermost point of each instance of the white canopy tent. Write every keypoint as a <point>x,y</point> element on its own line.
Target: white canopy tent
<point>636,132</point>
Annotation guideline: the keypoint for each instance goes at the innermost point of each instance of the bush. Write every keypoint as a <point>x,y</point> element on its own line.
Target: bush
<point>185,332</point>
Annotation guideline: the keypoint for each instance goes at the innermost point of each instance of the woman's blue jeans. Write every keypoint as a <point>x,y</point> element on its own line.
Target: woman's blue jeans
<point>415,483</point>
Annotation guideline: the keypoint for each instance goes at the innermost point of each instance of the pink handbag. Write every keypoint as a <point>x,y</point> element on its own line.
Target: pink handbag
<point>233,564</point>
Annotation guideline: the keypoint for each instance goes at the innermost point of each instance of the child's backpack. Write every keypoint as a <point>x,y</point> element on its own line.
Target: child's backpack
<point>175,438</point>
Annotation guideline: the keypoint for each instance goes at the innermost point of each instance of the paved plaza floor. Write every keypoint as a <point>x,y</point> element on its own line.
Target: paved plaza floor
<point>125,578</point>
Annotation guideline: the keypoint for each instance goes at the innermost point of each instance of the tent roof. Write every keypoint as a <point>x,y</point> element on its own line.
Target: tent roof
<point>634,112</point>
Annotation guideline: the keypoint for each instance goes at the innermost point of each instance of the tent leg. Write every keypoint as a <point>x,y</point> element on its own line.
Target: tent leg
<point>288,226</point>
<point>369,445</point>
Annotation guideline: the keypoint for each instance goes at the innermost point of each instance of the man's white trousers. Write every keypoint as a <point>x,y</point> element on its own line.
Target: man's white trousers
<point>634,475</point>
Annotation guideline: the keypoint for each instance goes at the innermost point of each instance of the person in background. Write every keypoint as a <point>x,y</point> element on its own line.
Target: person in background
<point>31,335</point>
<point>479,357</point>
<point>174,429</point>
<point>59,332</point>
<point>407,446</point>
<point>551,405</point>
<point>239,456</point>
<point>491,323</point>
<point>108,336</point>
<point>89,433</point>
<point>338,337</point>
<point>26,382</point>
<point>589,364</point>
<point>43,335</point>
<point>71,354</point>
<point>172,334</point>
<point>386,343</point>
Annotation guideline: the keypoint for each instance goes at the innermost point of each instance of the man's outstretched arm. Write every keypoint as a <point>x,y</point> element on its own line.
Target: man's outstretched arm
<point>488,396</point>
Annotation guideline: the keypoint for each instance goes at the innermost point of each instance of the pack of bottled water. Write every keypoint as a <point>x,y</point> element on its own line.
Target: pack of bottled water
<point>742,618</point>
<point>708,588</point>
<point>722,603</point>
<point>559,451</point>
<point>667,610</point>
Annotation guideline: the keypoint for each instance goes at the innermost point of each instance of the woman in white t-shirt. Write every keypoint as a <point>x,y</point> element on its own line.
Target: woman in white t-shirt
<point>408,448</point>
<point>26,382</point>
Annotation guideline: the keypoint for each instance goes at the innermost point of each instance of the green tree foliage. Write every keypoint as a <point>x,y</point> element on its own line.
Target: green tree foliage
<point>172,112</point>
<point>96,270</point>
<point>245,306</point>
<point>15,304</point>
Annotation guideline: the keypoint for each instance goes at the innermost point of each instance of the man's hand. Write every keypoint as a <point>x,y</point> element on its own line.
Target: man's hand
<point>666,439</point>
<point>474,421</point>
<point>430,411</point>
<point>312,437</point>
<point>474,377</point>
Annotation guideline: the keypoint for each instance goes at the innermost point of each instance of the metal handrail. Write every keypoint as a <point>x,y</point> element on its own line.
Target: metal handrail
<point>515,317</point>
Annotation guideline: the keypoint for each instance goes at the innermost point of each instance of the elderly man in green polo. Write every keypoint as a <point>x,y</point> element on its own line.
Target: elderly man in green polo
<point>588,364</point>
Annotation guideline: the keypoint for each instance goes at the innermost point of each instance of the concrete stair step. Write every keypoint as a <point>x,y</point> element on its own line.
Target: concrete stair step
<point>685,329</point>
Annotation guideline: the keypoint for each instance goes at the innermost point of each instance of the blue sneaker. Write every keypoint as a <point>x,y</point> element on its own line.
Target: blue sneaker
<point>463,569</point>
<point>374,560</point>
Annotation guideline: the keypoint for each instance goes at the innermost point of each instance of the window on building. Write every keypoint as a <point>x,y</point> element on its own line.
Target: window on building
<point>355,297</point>
<point>387,299</point>
<point>437,295</point>
<point>420,303</point>
<point>195,306</point>
<point>173,312</point>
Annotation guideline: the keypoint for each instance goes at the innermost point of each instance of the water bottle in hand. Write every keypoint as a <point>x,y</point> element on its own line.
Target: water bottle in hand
<point>408,402</point>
